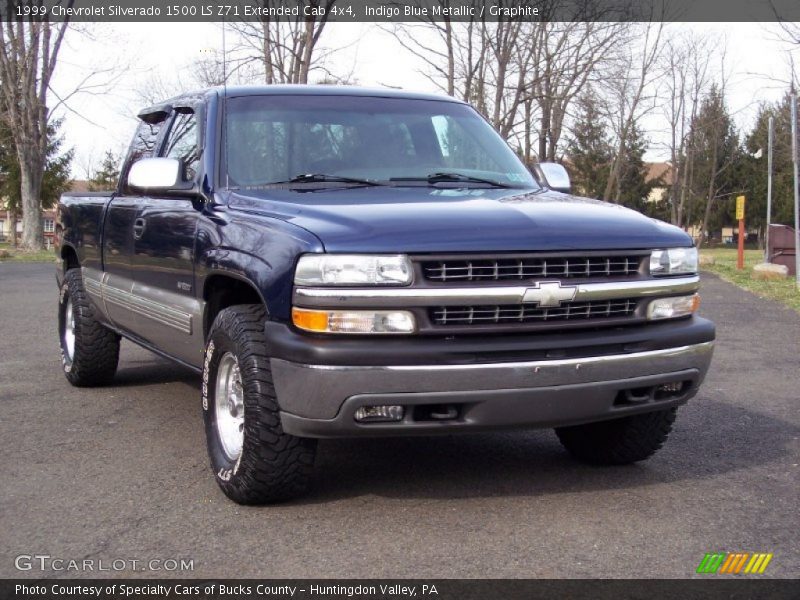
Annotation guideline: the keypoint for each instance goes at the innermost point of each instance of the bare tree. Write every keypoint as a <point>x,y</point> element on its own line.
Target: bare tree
<point>157,87</point>
<point>792,31</point>
<point>568,56</point>
<point>511,70</point>
<point>629,92</point>
<point>438,53</point>
<point>210,70</point>
<point>28,57</point>
<point>287,48</point>
<point>206,71</point>
<point>688,77</point>
<point>507,69</point>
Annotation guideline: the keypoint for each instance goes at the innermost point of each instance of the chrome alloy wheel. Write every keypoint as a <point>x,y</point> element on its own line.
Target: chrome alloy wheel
<point>229,406</point>
<point>69,330</point>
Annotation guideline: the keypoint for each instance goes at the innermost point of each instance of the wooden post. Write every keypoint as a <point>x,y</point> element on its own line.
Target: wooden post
<point>740,216</point>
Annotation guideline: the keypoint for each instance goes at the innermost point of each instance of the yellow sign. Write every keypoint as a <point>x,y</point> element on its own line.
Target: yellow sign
<point>739,207</point>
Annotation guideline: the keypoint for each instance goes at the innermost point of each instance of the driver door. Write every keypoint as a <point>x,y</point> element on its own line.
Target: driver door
<point>164,254</point>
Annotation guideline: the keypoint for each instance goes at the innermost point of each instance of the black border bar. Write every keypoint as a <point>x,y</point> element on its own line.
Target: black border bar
<point>711,587</point>
<point>402,10</point>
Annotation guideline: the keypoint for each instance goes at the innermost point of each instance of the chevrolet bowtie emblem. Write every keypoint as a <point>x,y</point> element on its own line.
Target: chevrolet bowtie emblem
<point>550,294</point>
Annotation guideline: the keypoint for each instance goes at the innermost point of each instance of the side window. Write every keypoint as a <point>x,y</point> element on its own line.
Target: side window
<point>182,143</point>
<point>145,141</point>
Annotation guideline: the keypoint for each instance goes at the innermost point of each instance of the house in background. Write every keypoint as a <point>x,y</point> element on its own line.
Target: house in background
<point>48,217</point>
<point>663,173</point>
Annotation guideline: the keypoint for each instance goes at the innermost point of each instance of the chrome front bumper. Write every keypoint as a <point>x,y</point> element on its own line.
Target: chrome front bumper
<point>320,400</point>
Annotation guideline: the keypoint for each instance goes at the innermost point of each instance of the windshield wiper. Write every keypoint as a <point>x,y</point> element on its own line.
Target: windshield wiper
<point>434,178</point>
<point>324,178</point>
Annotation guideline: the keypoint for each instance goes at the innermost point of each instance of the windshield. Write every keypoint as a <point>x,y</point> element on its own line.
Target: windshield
<point>397,141</point>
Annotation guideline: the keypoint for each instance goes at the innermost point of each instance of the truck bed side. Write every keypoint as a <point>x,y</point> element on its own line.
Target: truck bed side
<point>79,227</point>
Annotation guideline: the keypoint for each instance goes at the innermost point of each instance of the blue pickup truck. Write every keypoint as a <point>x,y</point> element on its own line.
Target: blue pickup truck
<point>341,262</point>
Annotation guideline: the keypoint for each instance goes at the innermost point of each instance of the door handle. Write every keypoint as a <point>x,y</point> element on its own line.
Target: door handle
<point>138,228</point>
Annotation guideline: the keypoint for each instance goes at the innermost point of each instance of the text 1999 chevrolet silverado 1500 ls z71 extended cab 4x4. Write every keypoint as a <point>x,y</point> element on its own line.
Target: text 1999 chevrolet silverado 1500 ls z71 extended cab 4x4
<point>343,262</point>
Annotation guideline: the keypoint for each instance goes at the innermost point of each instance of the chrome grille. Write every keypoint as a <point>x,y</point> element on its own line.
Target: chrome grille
<point>564,267</point>
<point>525,313</point>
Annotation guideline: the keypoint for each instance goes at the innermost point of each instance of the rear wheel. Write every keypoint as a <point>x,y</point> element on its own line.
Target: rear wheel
<point>253,459</point>
<point>619,441</point>
<point>89,350</point>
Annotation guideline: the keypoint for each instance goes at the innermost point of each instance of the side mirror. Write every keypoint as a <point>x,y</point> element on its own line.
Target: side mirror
<point>556,177</point>
<point>155,175</point>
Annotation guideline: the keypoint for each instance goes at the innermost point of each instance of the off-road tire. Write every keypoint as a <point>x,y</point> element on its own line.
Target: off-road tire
<point>96,350</point>
<point>619,441</point>
<point>273,466</point>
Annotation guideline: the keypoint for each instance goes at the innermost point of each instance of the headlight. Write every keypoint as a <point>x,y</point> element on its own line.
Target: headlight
<point>353,269</point>
<point>672,308</point>
<point>674,261</point>
<point>354,321</point>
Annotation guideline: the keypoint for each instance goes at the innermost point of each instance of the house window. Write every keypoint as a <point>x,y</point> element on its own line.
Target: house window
<point>49,226</point>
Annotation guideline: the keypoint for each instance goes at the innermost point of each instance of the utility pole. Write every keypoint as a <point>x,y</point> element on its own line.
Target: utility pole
<point>796,190</point>
<point>770,125</point>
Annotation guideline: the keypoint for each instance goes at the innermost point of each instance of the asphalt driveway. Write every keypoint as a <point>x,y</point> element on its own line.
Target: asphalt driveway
<point>121,473</point>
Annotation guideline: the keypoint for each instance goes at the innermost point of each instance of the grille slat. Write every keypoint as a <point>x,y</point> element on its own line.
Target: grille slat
<point>520,268</point>
<point>480,315</point>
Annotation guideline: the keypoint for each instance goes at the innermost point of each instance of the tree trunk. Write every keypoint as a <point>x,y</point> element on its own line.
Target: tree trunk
<point>674,173</point>
<point>13,218</point>
<point>269,72</point>
<point>451,61</point>
<point>709,205</point>
<point>543,132</point>
<point>31,173</point>
<point>613,174</point>
<point>528,109</point>
<point>28,56</point>
<point>31,192</point>
<point>308,49</point>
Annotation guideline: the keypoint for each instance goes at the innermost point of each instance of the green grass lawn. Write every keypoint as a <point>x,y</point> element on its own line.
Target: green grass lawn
<point>782,290</point>
<point>22,256</point>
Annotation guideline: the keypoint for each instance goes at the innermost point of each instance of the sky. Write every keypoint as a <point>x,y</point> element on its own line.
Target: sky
<point>124,57</point>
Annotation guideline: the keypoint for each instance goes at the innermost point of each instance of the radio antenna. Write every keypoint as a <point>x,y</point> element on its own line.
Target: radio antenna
<point>225,101</point>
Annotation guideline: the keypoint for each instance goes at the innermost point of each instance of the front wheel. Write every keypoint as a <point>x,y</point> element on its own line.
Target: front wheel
<point>89,350</point>
<point>254,460</point>
<point>619,441</point>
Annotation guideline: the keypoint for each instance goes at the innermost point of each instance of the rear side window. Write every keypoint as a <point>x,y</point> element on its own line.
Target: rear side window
<point>182,143</point>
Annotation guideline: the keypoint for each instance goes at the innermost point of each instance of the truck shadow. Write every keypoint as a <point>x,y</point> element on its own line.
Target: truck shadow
<point>710,438</point>
<point>155,372</point>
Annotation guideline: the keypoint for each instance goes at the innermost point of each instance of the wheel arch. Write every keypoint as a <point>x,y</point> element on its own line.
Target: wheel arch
<point>69,257</point>
<point>225,289</point>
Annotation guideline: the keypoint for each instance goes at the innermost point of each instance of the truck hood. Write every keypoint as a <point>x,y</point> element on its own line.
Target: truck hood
<point>428,219</point>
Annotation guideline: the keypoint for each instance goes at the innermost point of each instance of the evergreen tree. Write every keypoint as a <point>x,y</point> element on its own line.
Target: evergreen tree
<point>715,159</point>
<point>588,148</point>
<point>633,188</point>
<point>105,179</point>
<point>56,174</point>
<point>755,169</point>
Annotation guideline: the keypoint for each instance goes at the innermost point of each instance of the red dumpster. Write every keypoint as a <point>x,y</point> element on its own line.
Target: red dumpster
<point>781,246</point>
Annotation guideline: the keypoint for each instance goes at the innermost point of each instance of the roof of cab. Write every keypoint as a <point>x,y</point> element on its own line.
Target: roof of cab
<point>235,91</point>
<point>326,90</point>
